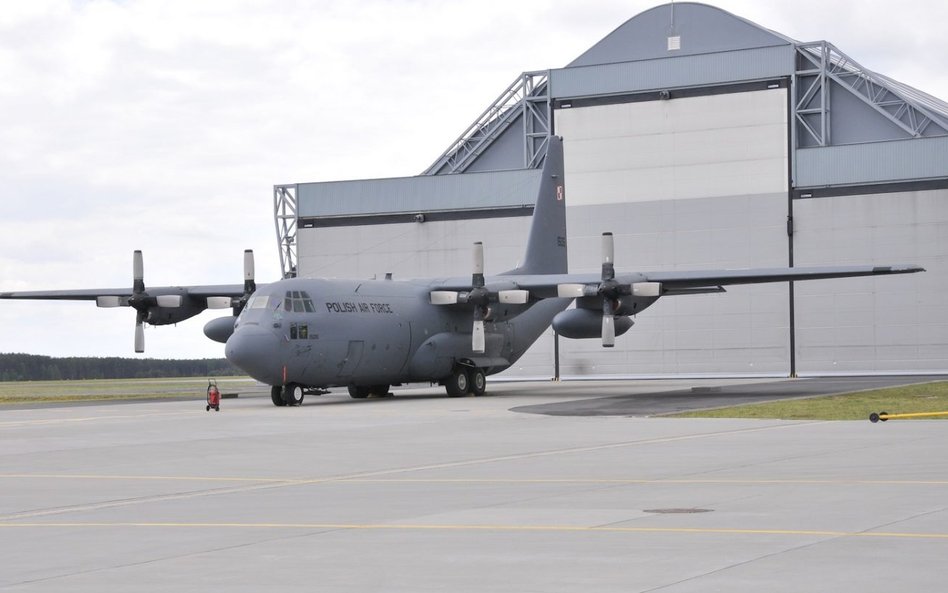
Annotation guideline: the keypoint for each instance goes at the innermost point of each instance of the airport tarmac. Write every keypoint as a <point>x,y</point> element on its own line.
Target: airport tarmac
<point>427,493</point>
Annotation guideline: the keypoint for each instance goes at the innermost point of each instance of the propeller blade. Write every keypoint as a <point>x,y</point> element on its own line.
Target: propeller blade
<point>608,257</point>
<point>479,258</point>
<point>138,272</point>
<point>570,291</point>
<point>110,301</point>
<point>219,302</point>
<point>139,337</point>
<point>608,249</point>
<point>608,331</point>
<point>443,297</point>
<point>477,337</point>
<point>514,297</point>
<point>172,301</point>
<point>608,322</point>
<point>249,284</point>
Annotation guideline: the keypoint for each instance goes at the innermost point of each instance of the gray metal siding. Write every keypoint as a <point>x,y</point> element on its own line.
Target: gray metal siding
<point>745,330</point>
<point>876,162</point>
<point>889,324</point>
<point>418,194</point>
<point>674,72</point>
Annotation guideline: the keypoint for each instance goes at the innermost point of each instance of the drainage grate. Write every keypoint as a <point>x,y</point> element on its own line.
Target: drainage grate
<point>676,511</point>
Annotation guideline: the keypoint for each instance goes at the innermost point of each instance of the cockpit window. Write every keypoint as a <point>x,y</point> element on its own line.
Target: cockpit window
<point>258,302</point>
<point>298,301</point>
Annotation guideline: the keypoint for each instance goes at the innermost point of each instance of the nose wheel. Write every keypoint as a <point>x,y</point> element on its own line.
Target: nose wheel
<point>292,394</point>
<point>276,395</point>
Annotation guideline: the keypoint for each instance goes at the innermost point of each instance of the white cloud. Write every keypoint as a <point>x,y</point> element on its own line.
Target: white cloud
<point>163,125</point>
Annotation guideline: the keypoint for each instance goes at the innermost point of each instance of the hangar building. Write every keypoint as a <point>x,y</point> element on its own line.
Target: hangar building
<point>701,140</point>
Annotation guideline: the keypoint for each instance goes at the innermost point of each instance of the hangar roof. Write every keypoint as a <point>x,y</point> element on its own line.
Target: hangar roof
<point>686,47</point>
<point>700,28</point>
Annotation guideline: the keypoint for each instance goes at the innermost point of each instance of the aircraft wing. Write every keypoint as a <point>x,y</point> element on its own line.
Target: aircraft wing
<point>706,279</point>
<point>161,305</point>
<point>546,286</point>
<point>92,294</point>
<point>689,282</point>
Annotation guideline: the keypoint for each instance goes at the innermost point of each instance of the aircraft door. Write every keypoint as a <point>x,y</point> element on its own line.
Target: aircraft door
<point>353,357</point>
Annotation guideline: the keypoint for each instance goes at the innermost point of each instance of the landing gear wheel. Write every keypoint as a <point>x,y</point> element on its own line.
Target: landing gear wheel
<point>477,381</point>
<point>276,395</point>
<point>457,384</point>
<point>358,392</point>
<point>207,408</point>
<point>379,390</point>
<point>292,394</point>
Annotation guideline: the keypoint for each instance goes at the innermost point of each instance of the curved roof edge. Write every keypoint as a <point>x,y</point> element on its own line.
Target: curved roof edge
<point>699,29</point>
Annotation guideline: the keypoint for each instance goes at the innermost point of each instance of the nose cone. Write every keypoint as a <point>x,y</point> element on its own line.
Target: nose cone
<point>256,351</point>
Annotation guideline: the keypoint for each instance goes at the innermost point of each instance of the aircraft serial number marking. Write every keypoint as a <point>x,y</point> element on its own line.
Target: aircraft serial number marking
<point>351,307</point>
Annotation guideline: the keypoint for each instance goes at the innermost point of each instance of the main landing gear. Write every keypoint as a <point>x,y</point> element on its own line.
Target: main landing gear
<point>466,380</point>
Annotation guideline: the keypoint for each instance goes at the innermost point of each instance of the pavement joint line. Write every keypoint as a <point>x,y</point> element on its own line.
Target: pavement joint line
<point>619,481</point>
<point>384,472</point>
<point>507,528</point>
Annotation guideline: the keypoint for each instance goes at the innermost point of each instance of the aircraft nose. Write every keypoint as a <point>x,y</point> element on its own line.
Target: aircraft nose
<point>255,351</point>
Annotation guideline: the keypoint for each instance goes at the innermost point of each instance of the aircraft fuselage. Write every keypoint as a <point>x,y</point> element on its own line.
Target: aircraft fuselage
<point>325,333</point>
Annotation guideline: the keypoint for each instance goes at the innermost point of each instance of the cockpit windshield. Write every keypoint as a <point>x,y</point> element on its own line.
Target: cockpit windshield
<point>298,301</point>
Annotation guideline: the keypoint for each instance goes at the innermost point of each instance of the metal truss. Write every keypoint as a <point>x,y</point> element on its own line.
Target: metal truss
<point>286,217</point>
<point>820,63</point>
<point>527,99</point>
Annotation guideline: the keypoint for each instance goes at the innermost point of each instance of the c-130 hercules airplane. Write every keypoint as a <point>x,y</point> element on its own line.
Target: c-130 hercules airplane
<point>302,335</point>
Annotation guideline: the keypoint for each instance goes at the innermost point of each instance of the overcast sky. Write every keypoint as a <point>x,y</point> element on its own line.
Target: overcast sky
<point>162,125</point>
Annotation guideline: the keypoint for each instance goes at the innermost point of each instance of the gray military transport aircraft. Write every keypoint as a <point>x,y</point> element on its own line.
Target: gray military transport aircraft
<point>302,335</point>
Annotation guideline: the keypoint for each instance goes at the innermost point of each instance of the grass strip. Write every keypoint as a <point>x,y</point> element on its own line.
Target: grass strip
<point>924,397</point>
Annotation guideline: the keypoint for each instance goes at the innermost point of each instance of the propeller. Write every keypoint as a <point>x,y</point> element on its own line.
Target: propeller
<point>480,297</point>
<point>608,289</point>
<point>139,300</point>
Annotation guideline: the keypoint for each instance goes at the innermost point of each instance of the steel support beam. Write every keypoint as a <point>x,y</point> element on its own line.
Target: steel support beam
<point>286,218</point>
<point>526,100</point>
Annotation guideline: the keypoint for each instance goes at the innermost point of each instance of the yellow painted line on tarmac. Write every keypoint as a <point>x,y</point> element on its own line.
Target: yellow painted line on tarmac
<point>501,528</point>
<point>358,480</point>
<point>53,421</point>
<point>131,478</point>
<point>635,481</point>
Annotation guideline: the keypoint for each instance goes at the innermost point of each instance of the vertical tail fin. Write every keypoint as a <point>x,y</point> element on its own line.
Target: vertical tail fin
<point>546,244</point>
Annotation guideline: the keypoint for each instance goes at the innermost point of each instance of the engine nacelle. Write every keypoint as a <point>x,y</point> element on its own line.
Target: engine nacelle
<point>220,329</point>
<point>579,324</point>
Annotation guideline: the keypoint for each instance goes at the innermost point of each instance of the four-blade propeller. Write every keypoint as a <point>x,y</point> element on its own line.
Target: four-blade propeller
<point>609,290</point>
<point>145,304</point>
<point>140,300</point>
<point>480,297</point>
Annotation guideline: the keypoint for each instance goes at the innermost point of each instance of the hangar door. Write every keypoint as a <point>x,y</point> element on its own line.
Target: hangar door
<point>685,183</point>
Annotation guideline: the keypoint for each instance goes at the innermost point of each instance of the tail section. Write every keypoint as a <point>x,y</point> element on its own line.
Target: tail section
<point>546,244</point>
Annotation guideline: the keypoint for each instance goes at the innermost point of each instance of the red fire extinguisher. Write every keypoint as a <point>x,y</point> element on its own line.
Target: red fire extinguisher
<point>213,397</point>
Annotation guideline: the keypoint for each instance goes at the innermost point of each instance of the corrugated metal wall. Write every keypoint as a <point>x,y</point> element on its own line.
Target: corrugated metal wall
<point>889,324</point>
<point>690,183</point>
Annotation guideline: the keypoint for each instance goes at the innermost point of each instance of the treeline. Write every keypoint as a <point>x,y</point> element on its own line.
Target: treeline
<point>30,367</point>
